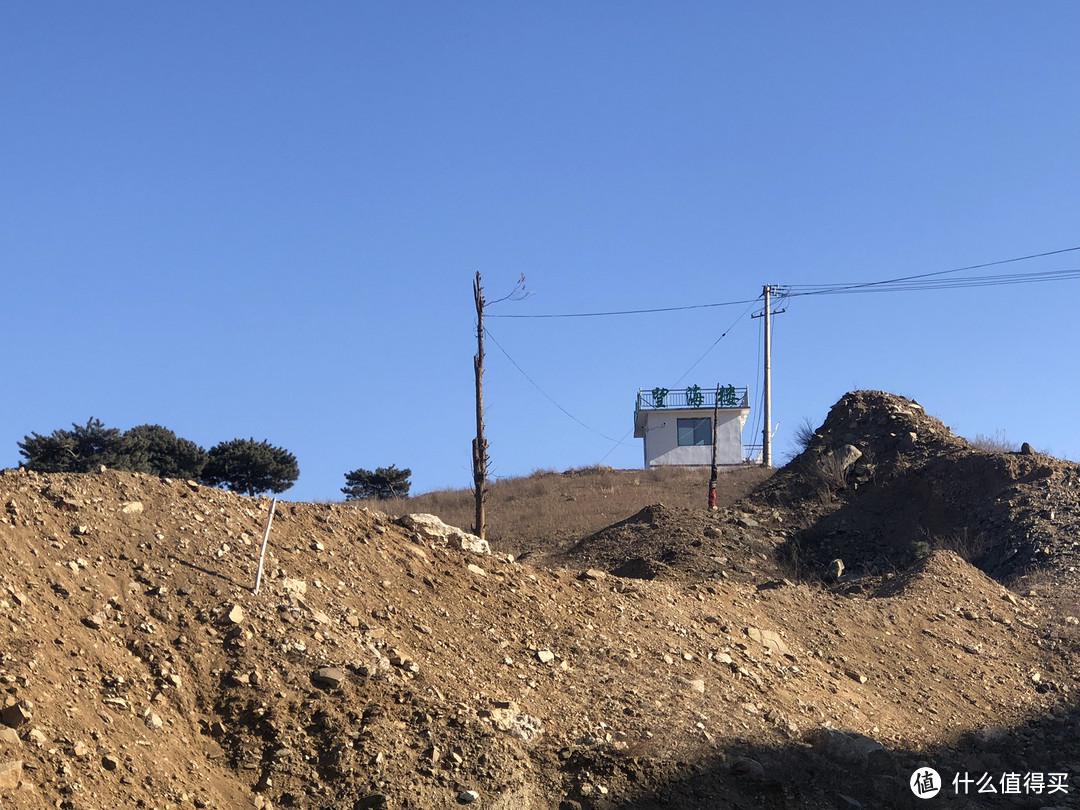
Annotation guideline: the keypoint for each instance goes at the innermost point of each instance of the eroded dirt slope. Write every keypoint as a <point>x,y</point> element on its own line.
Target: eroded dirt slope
<point>379,669</point>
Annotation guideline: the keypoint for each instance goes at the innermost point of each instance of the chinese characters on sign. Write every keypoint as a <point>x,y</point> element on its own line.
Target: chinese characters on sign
<point>694,397</point>
<point>726,397</point>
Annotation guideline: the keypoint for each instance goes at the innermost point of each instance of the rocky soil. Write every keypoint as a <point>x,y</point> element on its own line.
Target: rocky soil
<point>679,658</point>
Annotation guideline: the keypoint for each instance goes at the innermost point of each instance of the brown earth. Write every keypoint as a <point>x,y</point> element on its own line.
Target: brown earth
<point>724,667</point>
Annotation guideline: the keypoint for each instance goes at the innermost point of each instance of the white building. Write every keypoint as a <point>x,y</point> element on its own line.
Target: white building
<point>677,425</point>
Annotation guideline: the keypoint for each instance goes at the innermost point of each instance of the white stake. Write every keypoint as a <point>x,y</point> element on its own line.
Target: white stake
<point>266,536</point>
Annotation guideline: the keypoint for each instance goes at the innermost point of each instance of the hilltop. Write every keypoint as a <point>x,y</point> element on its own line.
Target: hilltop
<point>667,657</point>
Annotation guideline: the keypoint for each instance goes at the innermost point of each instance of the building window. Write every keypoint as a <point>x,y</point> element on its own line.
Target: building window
<point>695,432</point>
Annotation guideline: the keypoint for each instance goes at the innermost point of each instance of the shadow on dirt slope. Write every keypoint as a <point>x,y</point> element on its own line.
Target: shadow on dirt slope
<point>1036,765</point>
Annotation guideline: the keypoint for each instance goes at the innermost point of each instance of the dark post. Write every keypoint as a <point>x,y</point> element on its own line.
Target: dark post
<point>712,475</point>
<point>479,445</point>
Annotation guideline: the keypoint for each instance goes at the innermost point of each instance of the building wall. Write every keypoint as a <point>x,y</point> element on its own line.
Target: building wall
<point>662,437</point>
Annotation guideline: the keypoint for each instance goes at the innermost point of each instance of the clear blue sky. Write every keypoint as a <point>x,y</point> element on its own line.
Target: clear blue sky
<point>263,218</point>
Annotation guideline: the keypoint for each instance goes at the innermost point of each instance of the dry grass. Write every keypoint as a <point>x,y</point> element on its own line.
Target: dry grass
<point>549,508</point>
<point>998,443</point>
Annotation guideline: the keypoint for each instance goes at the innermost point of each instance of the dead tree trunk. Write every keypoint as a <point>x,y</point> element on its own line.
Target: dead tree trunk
<point>479,445</point>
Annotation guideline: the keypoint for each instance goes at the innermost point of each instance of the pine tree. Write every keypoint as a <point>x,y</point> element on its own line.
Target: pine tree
<point>82,449</point>
<point>245,465</point>
<point>384,482</point>
<point>166,454</point>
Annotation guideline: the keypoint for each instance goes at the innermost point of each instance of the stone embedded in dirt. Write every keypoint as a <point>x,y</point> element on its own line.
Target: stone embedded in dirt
<point>697,685</point>
<point>317,615</point>
<point>328,677</point>
<point>18,713</point>
<point>989,737</point>
<point>773,584</point>
<point>94,621</point>
<point>296,587</point>
<point>845,458</point>
<point>109,762</point>
<point>132,508</point>
<point>236,614</point>
<point>402,661</point>
<point>468,796</point>
<point>858,677</point>
<point>371,802</point>
<point>769,639</point>
<point>153,721</point>
<point>430,527</point>
<point>11,773</point>
<point>505,716</point>
<point>835,570</point>
<point>844,747</point>
<point>593,574</point>
<point>9,736</point>
<point>476,569</point>
<point>747,767</point>
<point>545,656</point>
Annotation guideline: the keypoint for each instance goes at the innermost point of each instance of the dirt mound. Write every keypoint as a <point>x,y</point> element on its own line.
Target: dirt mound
<point>548,512</point>
<point>678,543</point>
<point>882,484</point>
<point>378,669</point>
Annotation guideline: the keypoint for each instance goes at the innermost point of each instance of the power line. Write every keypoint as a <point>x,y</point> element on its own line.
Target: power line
<point>918,281</point>
<point>1000,280</point>
<point>542,391</point>
<point>628,311</point>
<point>892,284</point>
<point>715,342</point>
<point>613,446</point>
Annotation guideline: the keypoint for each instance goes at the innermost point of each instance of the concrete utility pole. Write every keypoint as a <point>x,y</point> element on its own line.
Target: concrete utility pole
<point>766,433</point>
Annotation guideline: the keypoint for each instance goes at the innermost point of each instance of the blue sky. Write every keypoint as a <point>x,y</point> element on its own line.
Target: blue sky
<point>263,219</point>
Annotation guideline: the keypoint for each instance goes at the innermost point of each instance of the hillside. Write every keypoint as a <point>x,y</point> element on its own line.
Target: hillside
<point>721,666</point>
<point>550,510</point>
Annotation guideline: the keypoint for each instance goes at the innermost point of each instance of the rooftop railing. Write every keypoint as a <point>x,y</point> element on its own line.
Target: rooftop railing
<point>694,396</point>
